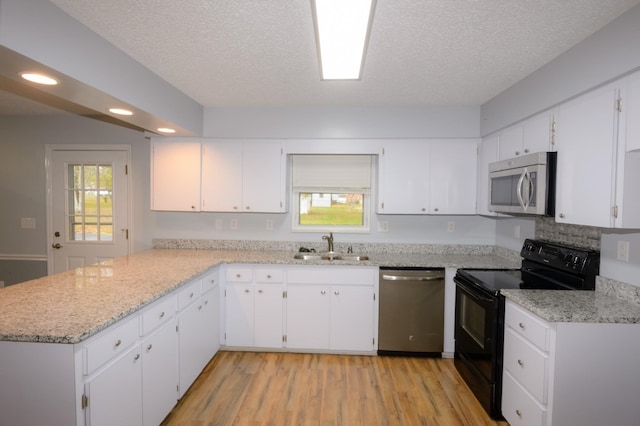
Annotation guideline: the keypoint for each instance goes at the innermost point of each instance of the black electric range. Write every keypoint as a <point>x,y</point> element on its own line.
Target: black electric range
<point>479,322</point>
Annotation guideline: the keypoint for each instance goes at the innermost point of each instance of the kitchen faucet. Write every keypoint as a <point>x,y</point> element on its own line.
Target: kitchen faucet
<point>329,239</point>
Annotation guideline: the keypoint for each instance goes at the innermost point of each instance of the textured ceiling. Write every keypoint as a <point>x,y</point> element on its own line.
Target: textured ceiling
<point>421,52</point>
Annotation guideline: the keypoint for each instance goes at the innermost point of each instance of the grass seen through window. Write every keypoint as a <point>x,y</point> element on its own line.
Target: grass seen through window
<point>331,209</point>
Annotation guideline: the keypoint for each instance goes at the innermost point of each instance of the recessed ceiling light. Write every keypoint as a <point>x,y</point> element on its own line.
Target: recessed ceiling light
<point>120,111</point>
<point>39,78</point>
<point>166,130</point>
<point>342,31</point>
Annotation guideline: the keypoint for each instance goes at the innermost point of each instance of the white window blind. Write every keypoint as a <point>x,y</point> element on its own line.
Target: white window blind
<point>341,173</point>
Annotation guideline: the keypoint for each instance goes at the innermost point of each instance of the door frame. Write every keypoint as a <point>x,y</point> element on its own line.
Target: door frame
<point>49,149</point>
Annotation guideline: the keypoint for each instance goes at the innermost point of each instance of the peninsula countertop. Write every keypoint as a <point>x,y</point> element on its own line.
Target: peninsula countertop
<point>74,305</point>
<point>576,306</point>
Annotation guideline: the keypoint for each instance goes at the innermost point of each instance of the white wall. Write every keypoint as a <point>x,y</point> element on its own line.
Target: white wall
<point>342,122</point>
<point>606,55</point>
<point>613,268</point>
<point>23,178</point>
<point>511,232</point>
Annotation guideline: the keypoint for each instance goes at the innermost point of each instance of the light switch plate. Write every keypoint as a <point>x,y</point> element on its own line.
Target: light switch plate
<point>623,251</point>
<point>28,223</point>
<point>451,226</point>
<point>233,224</point>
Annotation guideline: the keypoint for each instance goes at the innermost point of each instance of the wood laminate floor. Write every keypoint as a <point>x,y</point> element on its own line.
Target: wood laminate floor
<point>256,388</point>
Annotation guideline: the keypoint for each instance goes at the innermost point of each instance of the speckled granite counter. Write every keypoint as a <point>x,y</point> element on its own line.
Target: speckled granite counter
<point>71,306</point>
<point>576,306</point>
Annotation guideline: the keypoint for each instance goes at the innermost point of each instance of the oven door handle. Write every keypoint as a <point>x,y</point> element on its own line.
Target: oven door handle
<point>407,278</point>
<point>473,293</point>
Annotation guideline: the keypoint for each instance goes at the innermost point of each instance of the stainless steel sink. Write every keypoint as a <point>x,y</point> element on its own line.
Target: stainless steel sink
<point>327,256</point>
<point>351,257</point>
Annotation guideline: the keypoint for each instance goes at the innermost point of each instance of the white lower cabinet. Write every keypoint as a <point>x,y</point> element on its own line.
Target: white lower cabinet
<point>115,394</point>
<point>254,306</point>
<point>331,308</point>
<point>569,373</point>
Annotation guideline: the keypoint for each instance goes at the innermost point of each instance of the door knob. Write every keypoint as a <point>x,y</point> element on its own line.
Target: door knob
<point>56,246</point>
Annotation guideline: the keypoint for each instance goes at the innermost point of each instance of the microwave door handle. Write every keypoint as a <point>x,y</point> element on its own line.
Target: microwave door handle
<point>527,177</point>
<point>519,189</point>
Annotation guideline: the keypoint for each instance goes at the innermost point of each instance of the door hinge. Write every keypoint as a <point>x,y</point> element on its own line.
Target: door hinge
<point>374,297</point>
<point>553,132</point>
<point>619,105</point>
<point>126,234</point>
<point>176,328</point>
<point>373,341</point>
<point>85,401</point>
<point>382,205</point>
<point>284,294</point>
<point>614,211</point>
<point>284,338</point>
<point>126,169</point>
<point>382,151</point>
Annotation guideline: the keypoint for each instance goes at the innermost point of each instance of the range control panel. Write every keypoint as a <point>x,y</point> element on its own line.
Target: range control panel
<point>572,259</point>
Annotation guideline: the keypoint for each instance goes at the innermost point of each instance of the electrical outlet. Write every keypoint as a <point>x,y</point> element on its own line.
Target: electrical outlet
<point>383,226</point>
<point>623,251</point>
<point>233,224</point>
<point>516,231</point>
<point>218,224</point>
<point>451,226</point>
<point>269,225</point>
<point>28,223</point>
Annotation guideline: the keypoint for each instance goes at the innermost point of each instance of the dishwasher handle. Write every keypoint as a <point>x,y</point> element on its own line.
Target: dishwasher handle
<point>409,278</point>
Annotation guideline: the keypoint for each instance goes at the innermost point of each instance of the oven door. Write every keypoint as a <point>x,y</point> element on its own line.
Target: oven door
<point>478,351</point>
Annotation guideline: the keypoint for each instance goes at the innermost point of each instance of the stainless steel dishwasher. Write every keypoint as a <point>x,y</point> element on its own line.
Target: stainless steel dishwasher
<point>411,311</point>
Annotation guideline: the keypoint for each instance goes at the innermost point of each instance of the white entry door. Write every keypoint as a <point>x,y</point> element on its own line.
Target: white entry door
<point>88,207</point>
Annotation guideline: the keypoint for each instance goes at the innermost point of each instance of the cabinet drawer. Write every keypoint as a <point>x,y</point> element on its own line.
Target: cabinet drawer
<point>269,275</point>
<point>239,275</point>
<point>528,326</point>
<point>518,408</point>
<point>210,281</point>
<point>526,364</point>
<point>188,294</point>
<point>332,275</point>
<point>157,314</point>
<point>111,344</point>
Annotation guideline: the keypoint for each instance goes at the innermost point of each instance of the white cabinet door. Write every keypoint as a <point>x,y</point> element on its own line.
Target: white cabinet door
<point>585,139</point>
<point>352,318</point>
<point>268,315</point>
<point>175,176</point>
<point>633,113</point>
<point>511,142</point>
<point>404,178</point>
<point>222,176</point>
<point>211,320</point>
<point>487,154</point>
<point>308,308</point>
<point>159,374</point>
<point>243,176</point>
<point>239,317</point>
<point>452,181</point>
<point>536,135</point>
<point>115,395</point>
<point>263,189</point>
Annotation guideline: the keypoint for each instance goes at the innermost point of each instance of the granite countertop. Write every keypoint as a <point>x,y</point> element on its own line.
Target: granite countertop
<point>576,306</point>
<point>72,306</point>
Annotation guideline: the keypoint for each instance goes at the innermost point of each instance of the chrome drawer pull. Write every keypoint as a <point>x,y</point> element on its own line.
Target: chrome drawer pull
<point>161,314</point>
<point>521,325</point>
<point>518,413</point>
<point>520,363</point>
<point>137,357</point>
<point>118,343</point>
<point>149,347</point>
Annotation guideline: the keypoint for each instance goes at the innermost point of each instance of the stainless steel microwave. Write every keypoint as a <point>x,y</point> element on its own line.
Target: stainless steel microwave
<point>524,185</point>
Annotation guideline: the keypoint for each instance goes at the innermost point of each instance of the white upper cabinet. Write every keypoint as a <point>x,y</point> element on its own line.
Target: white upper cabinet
<point>453,177</point>
<point>532,135</point>
<point>244,176</point>
<point>586,139</point>
<point>428,177</point>
<point>403,184</point>
<point>632,107</point>
<point>487,154</point>
<point>175,175</point>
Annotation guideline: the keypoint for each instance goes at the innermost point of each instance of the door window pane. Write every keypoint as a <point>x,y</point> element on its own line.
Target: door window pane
<point>90,202</point>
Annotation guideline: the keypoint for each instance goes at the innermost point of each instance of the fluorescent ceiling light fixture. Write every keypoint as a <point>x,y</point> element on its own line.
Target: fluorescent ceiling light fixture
<point>166,130</point>
<point>342,32</point>
<point>120,111</point>
<point>39,78</point>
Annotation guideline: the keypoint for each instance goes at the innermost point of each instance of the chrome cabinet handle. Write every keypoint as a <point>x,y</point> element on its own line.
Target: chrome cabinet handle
<point>435,210</point>
<point>137,357</point>
<point>190,295</point>
<point>118,343</point>
<point>518,413</point>
<point>561,215</point>
<point>161,314</point>
<point>526,150</point>
<point>521,325</point>
<point>246,290</point>
<point>247,207</point>
<point>149,347</point>
<point>56,246</point>
<point>260,291</point>
<point>520,363</point>
<point>323,292</point>
<point>337,293</point>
